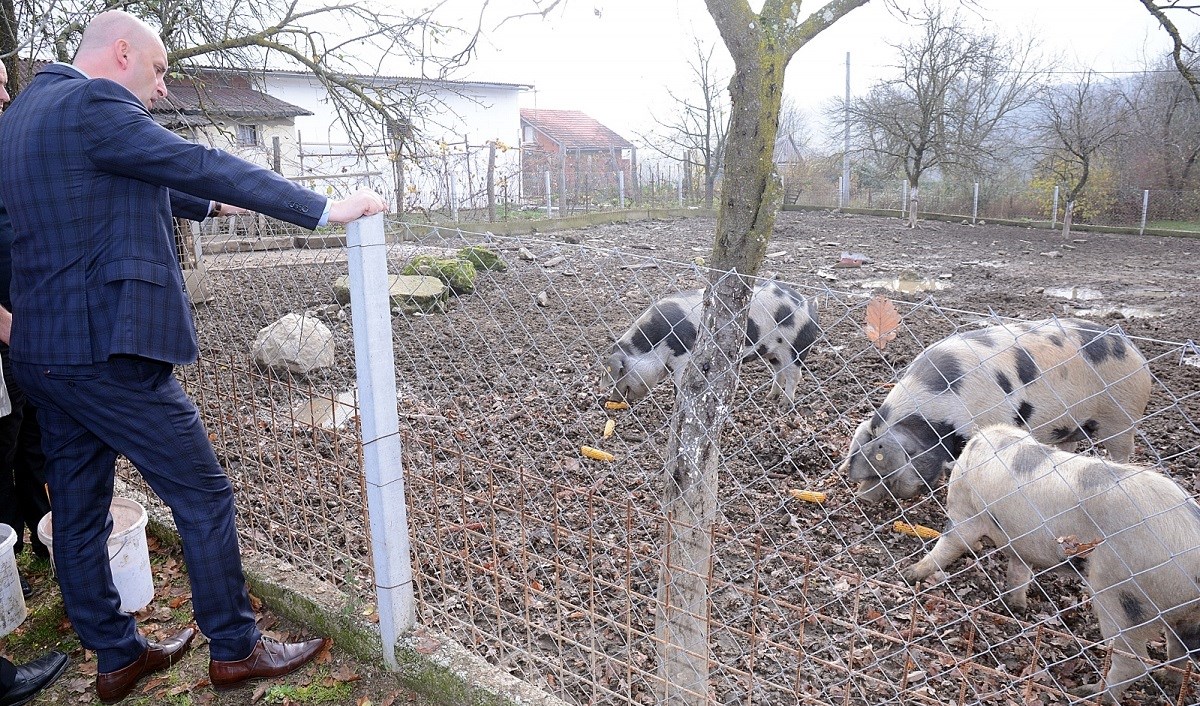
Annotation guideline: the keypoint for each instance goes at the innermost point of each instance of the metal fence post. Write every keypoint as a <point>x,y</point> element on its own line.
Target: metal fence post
<point>841,193</point>
<point>370,302</point>
<point>549,207</point>
<point>1145,208</point>
<point>679,188</point>
<point>454,198</point>
<point>975,204</point>
<point>621,187</point>
<point>1054,213</point>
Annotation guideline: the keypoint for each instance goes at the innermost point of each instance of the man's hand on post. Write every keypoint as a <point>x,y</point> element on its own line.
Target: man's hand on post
<point>363,202</point>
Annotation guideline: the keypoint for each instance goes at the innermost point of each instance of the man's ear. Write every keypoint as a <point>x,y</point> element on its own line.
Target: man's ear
<point>122,49</point>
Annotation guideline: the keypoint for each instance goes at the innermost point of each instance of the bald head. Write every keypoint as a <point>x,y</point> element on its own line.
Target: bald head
<point>118,46</point>
<point>108,27</point>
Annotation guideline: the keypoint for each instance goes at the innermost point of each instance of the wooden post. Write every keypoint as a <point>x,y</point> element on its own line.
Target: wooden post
<point>276,159</point>
<point>491,182</point>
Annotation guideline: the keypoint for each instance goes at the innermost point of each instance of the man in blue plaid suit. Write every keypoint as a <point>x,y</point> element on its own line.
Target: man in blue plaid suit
<point>92,183</point>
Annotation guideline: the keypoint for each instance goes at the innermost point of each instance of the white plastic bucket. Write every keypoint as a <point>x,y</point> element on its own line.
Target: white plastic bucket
<point>128,554</point>
<point>12,601</point>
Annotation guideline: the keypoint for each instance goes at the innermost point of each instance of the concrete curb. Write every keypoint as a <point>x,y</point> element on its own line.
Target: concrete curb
<point>432,664</point>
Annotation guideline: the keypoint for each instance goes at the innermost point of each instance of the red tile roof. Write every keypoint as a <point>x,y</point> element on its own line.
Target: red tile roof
<point>573,129</point>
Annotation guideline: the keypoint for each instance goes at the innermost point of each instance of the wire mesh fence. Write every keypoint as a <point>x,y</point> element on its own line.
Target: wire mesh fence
<point>551,565</point>
<point>1159,209</point>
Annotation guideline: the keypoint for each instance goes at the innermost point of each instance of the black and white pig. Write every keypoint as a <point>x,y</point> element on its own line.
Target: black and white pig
<point>781,327</point>
<point>1142,572</point>
<point>1066,380</point>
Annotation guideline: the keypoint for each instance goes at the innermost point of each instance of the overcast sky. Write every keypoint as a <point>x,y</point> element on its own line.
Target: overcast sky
<point>614,59</point>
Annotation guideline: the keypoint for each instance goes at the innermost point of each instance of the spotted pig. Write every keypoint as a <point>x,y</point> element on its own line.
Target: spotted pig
<point>1043,508</point>
<point>780,329</point>
<point>1065,380</point>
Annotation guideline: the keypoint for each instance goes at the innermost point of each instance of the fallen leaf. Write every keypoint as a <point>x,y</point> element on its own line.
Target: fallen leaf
<point>881,321</point>
<point>1075,548</point>
<point>345,673</point>
<point>427,645</point>
<point>259,692</point>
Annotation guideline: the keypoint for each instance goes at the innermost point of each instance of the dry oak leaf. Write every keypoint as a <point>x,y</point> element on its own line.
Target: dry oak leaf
<point>1075,548</point>
<point>881,321</point>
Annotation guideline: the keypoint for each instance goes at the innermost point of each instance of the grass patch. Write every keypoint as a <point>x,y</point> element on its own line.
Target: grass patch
<point>1193,226</point>
<point>318,692</point>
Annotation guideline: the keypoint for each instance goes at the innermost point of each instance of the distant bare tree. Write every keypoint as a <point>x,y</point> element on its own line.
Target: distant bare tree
<point>950,106</point>
<point>1077,123</point>
<point>1162,146</point>
<point>695,130</point>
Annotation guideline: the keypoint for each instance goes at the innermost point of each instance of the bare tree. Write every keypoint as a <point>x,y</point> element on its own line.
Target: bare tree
<point>949,106</point>
<point>256,34</point>
<point>1182,54</point>
<point>1162,146</point>
<point>695,131</point>
<point>761,43</point>
<point>1077,123</point>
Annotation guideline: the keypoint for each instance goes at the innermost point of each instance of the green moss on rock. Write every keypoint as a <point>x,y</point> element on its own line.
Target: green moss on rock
<point>482,258</point>
<point>459,275</point>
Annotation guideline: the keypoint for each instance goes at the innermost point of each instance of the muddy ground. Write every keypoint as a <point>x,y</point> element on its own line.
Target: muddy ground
<point>548,563</point>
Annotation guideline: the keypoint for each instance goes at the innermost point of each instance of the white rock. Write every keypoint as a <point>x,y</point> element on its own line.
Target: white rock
<point>296,343</point>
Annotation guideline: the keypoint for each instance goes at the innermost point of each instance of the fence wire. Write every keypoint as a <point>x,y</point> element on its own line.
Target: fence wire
<point>549,563</point>
<point>1156,209</point>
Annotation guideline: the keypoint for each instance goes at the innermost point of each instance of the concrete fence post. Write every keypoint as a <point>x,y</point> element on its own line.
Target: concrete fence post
<point>1054,212</point>
<point>1145,210</point>
<point>549,197</point>
<point>975,204</point>
<point>374,361</point>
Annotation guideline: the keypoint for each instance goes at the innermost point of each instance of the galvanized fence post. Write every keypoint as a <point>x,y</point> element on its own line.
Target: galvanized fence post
<point>975,204</point>
<point>621,187</point>
<point>370,302</point>
<point>549,205</point>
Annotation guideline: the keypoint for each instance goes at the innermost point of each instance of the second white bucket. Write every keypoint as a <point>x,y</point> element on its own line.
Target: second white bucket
<point>128,553</point>
<point>12,601</point>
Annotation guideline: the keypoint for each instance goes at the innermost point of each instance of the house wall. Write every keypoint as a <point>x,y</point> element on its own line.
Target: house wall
<point>440,165</point>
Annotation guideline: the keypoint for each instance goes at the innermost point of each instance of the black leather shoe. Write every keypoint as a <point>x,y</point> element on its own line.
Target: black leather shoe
<point>26,589</point>
<point>33,677</point>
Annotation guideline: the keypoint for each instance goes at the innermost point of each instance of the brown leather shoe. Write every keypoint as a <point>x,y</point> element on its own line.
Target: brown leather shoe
<point>268,659</point>
<point>114,686</point>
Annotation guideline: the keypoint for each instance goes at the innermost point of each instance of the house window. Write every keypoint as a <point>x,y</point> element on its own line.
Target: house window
<point>530,135</point>
<point>247,135</point>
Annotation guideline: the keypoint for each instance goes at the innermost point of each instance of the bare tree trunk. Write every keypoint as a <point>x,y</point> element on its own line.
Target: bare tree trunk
<point>1067,213</point>
<point>913,200</point>
<point>761,46</point>
<point>750,199</point>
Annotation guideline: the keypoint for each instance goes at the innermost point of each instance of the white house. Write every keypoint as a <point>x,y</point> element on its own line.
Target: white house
<point>287,121</point>
<point>454,129</point>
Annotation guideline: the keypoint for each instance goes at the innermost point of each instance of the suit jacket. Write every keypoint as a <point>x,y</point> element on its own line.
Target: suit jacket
<point>91,183</point>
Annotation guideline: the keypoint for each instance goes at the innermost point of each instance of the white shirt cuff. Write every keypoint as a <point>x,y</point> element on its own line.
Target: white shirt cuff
<point>325,213</point>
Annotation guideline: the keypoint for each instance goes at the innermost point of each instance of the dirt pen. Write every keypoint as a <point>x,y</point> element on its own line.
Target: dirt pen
<point>547,563</point>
